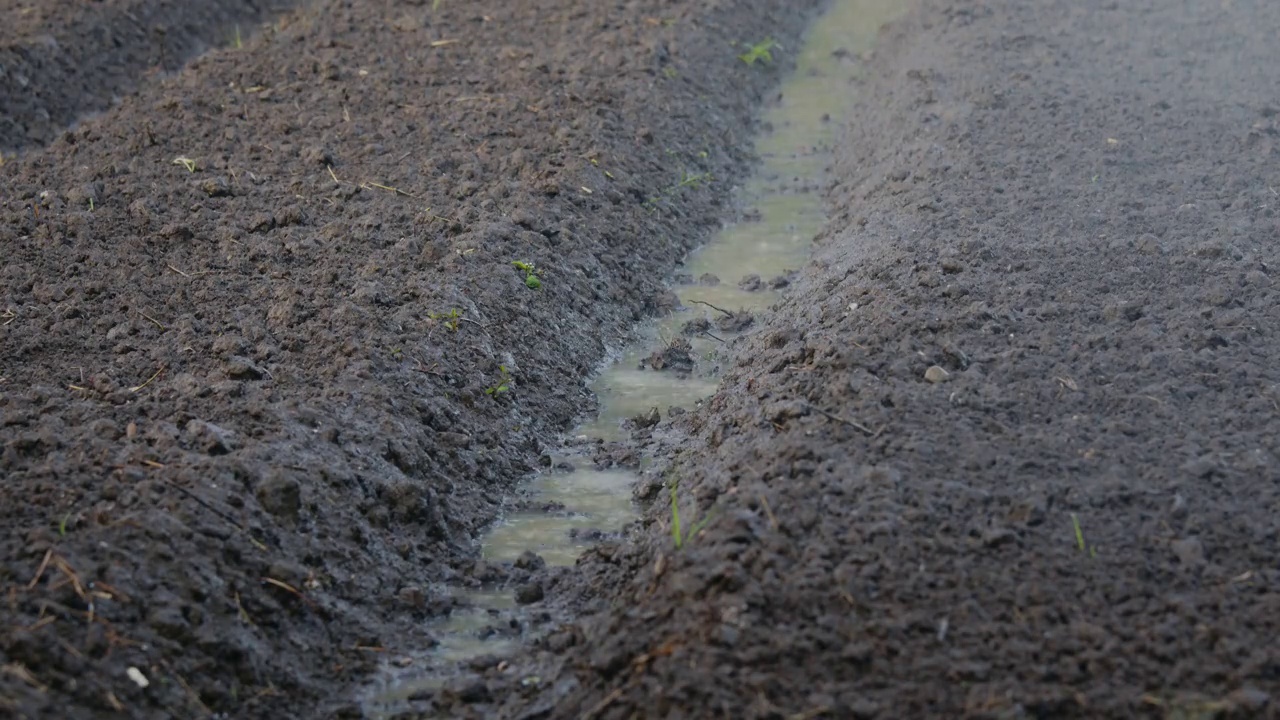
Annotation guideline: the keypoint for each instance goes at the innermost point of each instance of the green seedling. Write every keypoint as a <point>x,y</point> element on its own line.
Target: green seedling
<point>760,52</point>
<point>435,5</point>
<point>1080,543</point>
<point>452,319</point>
<point>530,274</point>
<point>677,535</point>
<point>62,525</point>
<point>504,382</point>
<point>185,162</point>
<point>687,180</point>
<point>237,42</point>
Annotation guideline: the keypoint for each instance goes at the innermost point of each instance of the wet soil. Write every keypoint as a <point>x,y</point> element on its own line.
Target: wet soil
<point>582,495</point>
<point>1007,449</point>
<point>267,367</point>
<point>1010,447</point>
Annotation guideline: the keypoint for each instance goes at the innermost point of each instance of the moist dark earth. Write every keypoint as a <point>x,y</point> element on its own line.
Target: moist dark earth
<point>257,315</point>
<point>1007,449</point>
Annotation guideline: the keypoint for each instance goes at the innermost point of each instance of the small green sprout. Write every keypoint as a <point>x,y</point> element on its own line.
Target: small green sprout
<point>677,535</point>
<point>1080,543</point>
<point>504,382</point>
<point>452,319</point>
<point>237,42</point>
<point>530,274</point>
<point>687,180</point>
<point>761,51</point>
<point>185,162</point>
<point>62,525</point>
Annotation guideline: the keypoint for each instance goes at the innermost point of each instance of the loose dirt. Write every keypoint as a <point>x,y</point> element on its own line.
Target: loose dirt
<point>267,367</point>
<point>62,59</point>
<point>1009,449</point>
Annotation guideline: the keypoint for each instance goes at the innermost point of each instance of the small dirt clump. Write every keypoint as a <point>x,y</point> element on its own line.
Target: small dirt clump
<point>676,356</point>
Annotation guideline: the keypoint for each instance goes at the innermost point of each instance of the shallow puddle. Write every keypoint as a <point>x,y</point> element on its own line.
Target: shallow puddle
<point>574,503</point>
<point>592,500</point>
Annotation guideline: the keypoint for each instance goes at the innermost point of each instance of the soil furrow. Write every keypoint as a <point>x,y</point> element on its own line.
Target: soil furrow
<point>267,364</point>
<point>1010,447</point>
<point>62,60</point>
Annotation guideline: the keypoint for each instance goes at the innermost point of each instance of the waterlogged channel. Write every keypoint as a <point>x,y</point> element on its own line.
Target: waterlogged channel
<point>743,270</point>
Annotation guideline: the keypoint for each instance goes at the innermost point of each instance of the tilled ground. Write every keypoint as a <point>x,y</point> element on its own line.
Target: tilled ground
<point>62,59</point>
<point>266,365</point>
<point>1010,449</point>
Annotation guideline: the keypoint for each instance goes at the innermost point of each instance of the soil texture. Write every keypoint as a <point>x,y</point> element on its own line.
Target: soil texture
<point>1010,447</point>
<point>267,362</point>
<point>62,59</point>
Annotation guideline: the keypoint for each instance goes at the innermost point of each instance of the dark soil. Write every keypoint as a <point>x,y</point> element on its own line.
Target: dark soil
<point>266,366</point>
<point>61,59</point>
<point>1070,208</point>
<point>675,356</point>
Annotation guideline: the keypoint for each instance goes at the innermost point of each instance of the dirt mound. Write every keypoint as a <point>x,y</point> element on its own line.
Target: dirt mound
<point>61,59</point>
<point>266,362</point>
<point>1070,210</point>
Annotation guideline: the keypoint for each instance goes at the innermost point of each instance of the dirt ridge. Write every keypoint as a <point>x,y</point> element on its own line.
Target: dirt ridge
<point>1009,449</point>
<point>64,59</point>
<point>266,365</point>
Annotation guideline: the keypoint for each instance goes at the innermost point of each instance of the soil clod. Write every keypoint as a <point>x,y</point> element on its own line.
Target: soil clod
<point>676,356</point>
<point>529,593</point>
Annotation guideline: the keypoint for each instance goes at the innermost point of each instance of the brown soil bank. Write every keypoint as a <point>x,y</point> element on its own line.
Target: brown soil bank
<point>1070,209</point>
<point>266,365</point>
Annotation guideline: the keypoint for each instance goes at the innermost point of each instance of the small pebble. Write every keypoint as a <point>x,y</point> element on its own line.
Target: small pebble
<point>1189,551</point>
<point>936,374</point>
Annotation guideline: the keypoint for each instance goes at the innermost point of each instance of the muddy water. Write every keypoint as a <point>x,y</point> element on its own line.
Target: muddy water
<point>784,211</point>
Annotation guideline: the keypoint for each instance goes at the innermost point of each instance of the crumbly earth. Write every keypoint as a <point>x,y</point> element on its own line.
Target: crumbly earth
<point>62,59</point>
<point>266,365</point>
<point>1010,448</point>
